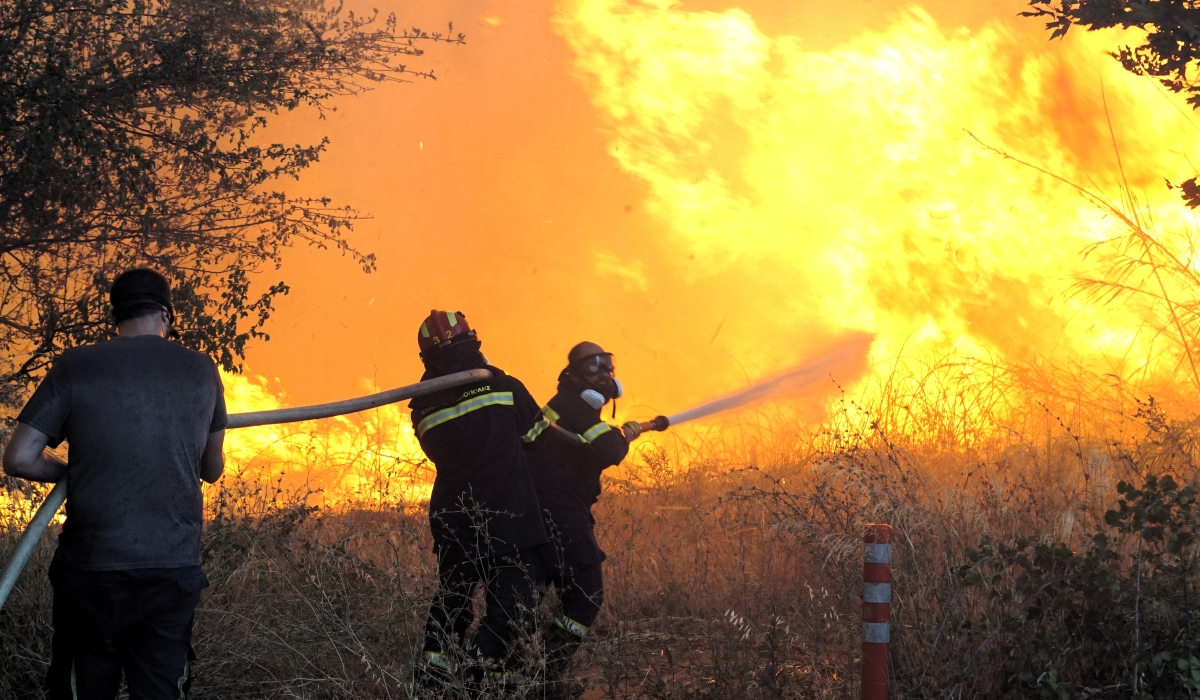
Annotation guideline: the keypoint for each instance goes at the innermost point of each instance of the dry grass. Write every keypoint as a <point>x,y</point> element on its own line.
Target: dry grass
<point>725,579</point>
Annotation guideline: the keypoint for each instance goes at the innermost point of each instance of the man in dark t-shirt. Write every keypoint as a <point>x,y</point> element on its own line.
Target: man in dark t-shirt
<point>144,419</point>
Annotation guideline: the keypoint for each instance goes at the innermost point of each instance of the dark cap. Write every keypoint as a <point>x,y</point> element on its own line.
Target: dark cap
<point>140,288</point>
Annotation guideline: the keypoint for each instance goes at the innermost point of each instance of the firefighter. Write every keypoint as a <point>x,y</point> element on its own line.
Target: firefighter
<point>145,420</point>
<point>568,485</point>
<point>483,511</point>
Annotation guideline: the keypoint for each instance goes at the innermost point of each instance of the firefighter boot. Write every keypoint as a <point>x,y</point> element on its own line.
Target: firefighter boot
<point>561,645</point>
<point>432,675</point>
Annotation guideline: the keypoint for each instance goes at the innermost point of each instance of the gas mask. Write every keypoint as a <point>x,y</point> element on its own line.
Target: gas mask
<point>595,374</point>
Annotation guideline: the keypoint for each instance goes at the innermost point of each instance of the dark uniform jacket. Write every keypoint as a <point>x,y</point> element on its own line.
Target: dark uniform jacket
<point>483,495</point>
<point>568,476</point>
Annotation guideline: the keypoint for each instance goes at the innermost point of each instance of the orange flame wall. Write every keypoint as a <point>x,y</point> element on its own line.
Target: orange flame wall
<point>713,192</point>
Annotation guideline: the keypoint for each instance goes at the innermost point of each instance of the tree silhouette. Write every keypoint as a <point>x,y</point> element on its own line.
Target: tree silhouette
<point>132,132</point>
<point>1169,53</point>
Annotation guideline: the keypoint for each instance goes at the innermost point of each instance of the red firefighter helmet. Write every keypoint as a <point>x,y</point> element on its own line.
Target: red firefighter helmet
<point>441,330</point>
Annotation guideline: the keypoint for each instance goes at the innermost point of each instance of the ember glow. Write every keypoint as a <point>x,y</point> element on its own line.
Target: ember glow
<point>717,194</point>
<point>372,457</point>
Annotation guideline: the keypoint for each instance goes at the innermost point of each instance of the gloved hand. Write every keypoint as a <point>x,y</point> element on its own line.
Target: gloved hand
<point>631,430</point>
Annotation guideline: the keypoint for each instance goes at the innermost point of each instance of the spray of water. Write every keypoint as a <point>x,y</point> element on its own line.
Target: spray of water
<point>846,357</point>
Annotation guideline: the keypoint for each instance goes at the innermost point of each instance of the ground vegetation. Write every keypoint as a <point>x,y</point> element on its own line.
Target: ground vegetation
<point>1051,556</point>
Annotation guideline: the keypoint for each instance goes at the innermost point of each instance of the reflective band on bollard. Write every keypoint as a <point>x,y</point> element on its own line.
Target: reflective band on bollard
<point>877,592</point>
<point>877,632</point>
<point>877,610</point>
<point>878,553</point>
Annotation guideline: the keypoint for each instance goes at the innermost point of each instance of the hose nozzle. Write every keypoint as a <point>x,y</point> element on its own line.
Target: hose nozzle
<point>659,424</point>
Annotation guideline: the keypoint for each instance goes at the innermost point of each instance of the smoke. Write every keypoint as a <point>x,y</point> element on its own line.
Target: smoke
<point>847,358</point>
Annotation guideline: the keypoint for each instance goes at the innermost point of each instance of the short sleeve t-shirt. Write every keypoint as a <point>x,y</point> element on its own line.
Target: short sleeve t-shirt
<point>136,413</point>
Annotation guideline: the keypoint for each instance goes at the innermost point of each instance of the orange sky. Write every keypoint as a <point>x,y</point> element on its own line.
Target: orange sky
<point>501,190</point>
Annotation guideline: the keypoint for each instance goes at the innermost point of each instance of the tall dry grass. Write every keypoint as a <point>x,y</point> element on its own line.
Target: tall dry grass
<point>725,579</point>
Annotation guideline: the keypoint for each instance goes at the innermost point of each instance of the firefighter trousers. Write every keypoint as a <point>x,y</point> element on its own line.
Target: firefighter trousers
<point>508,580</point>
<point>573,563</point>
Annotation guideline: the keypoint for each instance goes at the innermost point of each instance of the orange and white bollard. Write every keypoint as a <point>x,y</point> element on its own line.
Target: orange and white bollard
<point>877,611</point>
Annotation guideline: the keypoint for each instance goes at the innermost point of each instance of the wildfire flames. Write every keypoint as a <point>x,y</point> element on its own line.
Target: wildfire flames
<point>851,174</point>
<point>716,202</point>
<point>371,457</point>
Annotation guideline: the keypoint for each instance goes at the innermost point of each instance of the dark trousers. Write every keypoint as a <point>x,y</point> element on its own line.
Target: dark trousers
<point>573,563</point>
<point>508,581</point>
<point>111,622</point>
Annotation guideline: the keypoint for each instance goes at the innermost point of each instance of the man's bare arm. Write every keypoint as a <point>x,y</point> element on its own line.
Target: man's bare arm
<point>25,456</point>
<point>212,462</point>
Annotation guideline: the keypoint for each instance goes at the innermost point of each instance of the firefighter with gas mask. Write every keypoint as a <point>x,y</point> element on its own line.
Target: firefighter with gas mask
<point>483,511</point>
<point>567,476</point>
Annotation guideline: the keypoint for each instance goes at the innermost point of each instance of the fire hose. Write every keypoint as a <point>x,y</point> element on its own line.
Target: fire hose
<point>842,358</point>
<point>658,424</point>
<point>850,351</point>
<point>58,494</point>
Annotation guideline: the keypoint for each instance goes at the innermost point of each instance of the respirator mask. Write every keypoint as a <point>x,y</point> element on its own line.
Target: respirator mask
<point>595,373</point>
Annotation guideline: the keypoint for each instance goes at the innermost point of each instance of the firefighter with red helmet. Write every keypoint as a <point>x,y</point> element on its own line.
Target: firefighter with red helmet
<point>483,511</point>
<point>567,476</point>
